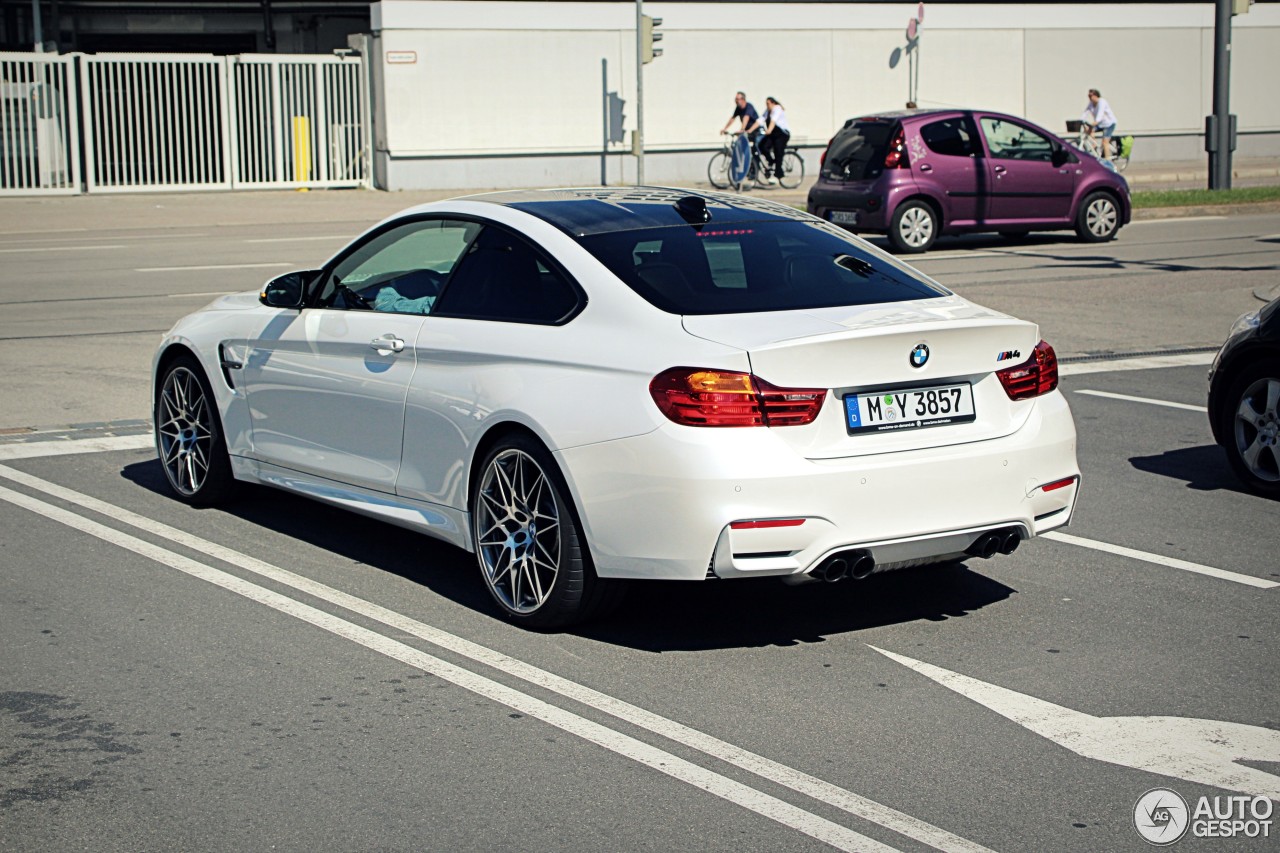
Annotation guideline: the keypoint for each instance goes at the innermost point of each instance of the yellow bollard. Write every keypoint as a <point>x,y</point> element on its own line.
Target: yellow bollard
<point>301,150</point>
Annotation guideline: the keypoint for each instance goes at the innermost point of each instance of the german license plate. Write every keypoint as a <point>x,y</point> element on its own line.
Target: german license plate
<point>844,217</point>
<point>912,408</point>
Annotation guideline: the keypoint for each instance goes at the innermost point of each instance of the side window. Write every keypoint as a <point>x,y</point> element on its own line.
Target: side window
<point>1009,141</point>
<point>950,136</point>
<point>402,270</point>
<point>501,277</point>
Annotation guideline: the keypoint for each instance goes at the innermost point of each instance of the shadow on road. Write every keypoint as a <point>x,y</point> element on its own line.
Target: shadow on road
<point>656,616</point>
<point>1202,468</point>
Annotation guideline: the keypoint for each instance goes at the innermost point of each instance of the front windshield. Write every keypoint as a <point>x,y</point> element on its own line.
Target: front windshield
<point>747,267</point>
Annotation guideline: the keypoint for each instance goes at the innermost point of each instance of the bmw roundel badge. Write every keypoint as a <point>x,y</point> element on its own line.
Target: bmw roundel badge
<point>919,355</point>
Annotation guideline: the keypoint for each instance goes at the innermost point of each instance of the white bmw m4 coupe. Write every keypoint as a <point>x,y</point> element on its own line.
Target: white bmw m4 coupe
<point>589,386</point>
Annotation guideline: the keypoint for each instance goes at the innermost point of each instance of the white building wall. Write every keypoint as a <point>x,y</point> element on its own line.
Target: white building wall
<point>508,93</point>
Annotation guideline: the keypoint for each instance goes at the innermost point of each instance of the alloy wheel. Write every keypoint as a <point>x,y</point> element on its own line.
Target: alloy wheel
<point>916,227</point>
<point>185,430</point>
<point>1101,217</point>
<point>1257,429</point>
<point>518,531</point>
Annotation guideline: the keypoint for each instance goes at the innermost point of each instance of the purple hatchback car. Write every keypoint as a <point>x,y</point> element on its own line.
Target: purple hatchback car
<point>915,174</point>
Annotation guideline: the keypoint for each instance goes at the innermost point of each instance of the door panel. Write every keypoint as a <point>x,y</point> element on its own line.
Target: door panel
<point>324,400</point>
<point>1025,184</point>
<point>946,160</point>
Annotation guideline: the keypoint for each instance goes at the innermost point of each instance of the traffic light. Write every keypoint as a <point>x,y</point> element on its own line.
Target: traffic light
<point>648,37</point>
<point>616,118</point>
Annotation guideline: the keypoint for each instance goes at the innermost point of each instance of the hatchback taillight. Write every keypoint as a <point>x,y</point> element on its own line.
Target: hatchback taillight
<point>694,396</point>
<point>1035,376</point>
<point>822,161</point>
<point>897,156</point>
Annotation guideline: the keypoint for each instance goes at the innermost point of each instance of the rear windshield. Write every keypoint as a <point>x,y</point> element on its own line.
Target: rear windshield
<point>858,151</point>
<point>747,267</point>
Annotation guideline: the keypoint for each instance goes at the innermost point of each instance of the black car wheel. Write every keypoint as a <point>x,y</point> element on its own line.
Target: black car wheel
<point>529,543</point>
<point>189,436</point>
<point>1250,426</point>
<point>914,228</point>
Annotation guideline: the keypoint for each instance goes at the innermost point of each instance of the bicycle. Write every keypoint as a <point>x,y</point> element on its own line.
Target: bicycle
<point>740,164</point>
<point>1091,143</point>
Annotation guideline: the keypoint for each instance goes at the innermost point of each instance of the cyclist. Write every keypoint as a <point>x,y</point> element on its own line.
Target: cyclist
<point>744,112</point>
<point>1097,116</point>
<point>777,133</point>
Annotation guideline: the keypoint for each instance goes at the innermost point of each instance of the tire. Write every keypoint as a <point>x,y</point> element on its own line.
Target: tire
<point>189,438</point>
<point>1098,219</point>
<point>718,170</point>
<point>1250,426</point>
<point>792,169</point>
<point>529,544</point>
<point>913,228</point>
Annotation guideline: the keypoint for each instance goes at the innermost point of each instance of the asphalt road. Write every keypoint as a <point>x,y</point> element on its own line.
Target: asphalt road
<point>280,675</point>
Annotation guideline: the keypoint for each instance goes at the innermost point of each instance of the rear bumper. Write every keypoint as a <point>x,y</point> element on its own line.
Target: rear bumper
<point>870,206</point>
<point>660,505</point>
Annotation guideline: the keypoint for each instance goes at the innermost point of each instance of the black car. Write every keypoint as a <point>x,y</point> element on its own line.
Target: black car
<point>1244,396</point>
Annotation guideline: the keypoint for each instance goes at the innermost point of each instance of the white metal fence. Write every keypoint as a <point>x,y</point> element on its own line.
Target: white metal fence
<point>181,122</point>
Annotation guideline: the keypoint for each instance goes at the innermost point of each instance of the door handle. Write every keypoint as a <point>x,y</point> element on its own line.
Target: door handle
<point>387,343</point>
<point>926,168</point>
<point>1000,170</point>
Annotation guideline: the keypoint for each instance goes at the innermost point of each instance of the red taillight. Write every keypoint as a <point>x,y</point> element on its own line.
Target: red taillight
<point>721,398</point>
<point>1059,484</point>
<point>760,523</point>
<point>897,156</point>
<point>1035,376</point>
<point>822,161</point>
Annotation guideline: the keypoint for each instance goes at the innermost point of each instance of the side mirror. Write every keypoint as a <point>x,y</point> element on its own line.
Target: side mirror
<point>1061,157</point>
<point>288,290</point>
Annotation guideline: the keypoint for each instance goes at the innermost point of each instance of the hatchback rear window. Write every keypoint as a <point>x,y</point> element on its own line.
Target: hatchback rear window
<point>858,150</point>
<point>748,267</point>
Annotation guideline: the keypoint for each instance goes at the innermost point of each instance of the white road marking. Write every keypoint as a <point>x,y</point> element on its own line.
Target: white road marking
<point>1170,404</point>
<point>1203,751</point>
<point>796,780</point>
<point>298,239</point>
<point>55,447</point>
<point>205,293</point>
<point>211,267</point>
<point>59,249</point>
<point>1174,219</point>
<point>1150,362</point>
<point>664,762</point>
<point>959,255</point>
<point>130,237</point>
<point>1158,560</point>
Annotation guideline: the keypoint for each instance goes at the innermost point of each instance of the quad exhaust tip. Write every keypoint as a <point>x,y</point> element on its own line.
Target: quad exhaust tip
<point>851,565</point>
<point>1003,541</point>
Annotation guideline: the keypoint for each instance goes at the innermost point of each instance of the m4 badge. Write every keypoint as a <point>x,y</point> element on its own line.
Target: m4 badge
<point>1009,354</point>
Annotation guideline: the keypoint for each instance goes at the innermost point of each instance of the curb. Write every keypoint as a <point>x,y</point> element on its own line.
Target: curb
<point>1238,209</point>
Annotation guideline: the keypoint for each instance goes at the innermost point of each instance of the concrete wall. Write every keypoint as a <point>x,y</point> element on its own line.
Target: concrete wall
<point>506,93</point>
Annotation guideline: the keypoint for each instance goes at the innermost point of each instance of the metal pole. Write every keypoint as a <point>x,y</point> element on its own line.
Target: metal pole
<point>1220,148</point>
<point>604,133</point>
<point>37,28</point>
<point>639,93</point>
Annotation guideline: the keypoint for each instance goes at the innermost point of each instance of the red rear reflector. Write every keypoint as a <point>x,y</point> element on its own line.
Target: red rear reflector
<point>822,161</point>
<point>1058,484</point>
<point>721,398</point>
<point>1035,376</point>
<point>758,523</point>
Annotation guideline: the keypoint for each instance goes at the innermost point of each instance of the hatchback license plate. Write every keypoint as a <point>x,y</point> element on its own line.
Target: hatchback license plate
<point>912,408</point>
<point>844,217</point>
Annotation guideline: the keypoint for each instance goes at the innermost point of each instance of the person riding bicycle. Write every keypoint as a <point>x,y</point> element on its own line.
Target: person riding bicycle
<point>744,112</point>
<point>1097,116</point>
<point>777,133</point>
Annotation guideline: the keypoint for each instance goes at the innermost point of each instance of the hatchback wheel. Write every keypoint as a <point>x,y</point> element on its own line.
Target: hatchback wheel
<point>528,541</point>
<point>1098,219</point>
<point>1252,427</point>
<point>189,436</point>
<point>914,228</point>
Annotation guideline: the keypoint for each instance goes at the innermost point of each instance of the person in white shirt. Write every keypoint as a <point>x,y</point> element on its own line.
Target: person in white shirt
<point>777,133</point>
<point>1098,116</point>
